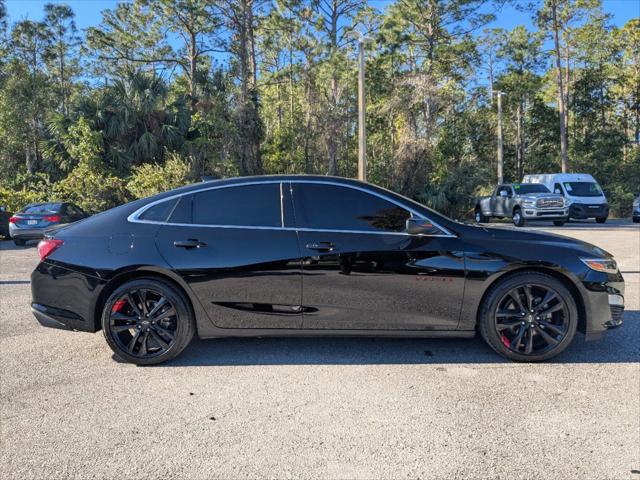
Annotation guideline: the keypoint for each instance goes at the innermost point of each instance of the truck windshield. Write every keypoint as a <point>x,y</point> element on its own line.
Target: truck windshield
<point>524,188</point>
<point>583,189</point>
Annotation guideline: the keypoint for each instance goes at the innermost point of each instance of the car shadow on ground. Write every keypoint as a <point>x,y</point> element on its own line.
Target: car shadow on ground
<point>619,346</point>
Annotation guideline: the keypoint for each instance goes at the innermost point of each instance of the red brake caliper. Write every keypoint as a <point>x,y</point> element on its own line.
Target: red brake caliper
<point>505,340</point>
<point>118,305</point>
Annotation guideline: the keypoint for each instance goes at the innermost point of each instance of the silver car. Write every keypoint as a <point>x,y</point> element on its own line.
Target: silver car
<point>35,219</point>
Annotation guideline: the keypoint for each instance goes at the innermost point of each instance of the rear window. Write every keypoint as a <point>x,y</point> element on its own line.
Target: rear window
<point>42,208</point>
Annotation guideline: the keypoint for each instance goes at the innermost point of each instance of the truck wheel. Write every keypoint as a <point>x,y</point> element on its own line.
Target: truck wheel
<point>480,218</point>
<point>601,219</point>
<point>559,223</point>
<point>20,242</point>
<point>518,219</point>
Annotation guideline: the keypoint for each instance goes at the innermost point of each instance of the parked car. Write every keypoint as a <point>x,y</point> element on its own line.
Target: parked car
<point>522,202</point>
<point>581,189</point>
<point>228,258</point>
<point>635,215</point>
<point>4,221</point>
<point>35,219</point>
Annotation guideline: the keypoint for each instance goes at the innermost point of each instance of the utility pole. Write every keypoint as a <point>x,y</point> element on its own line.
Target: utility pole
<point>362,134</point>
<point>500,159</point>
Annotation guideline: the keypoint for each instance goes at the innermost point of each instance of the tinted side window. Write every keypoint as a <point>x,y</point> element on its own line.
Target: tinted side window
<point>246,205</point>
<point>159,212</point>
<point>333,207</point>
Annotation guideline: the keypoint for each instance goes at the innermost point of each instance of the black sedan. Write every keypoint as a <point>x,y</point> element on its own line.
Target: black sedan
<point>304,255</point>
<point>34,220</point>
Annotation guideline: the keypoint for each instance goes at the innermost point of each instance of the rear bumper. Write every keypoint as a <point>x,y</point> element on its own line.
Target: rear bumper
<point>583,211</point>
<point>65,298</point>
<point>26,233</point>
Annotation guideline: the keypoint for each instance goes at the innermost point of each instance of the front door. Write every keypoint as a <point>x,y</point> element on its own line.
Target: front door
<point>231,247</point>
<point>362,271</point>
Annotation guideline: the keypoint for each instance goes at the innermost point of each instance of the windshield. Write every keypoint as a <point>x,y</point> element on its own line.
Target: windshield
<point>42,208</point>
<point>524,188</point>
<point>583,189</point>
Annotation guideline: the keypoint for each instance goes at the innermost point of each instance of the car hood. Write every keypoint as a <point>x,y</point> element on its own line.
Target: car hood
<point>543,238</point>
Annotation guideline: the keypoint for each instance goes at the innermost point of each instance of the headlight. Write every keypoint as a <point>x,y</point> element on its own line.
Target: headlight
<point>529,202</point>
<point>605,265</point>
<point>567,202</point>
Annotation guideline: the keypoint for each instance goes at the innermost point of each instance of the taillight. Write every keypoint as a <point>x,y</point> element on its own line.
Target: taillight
<point>47,246</point>
<point>13,219</point>
<point>53,218</point>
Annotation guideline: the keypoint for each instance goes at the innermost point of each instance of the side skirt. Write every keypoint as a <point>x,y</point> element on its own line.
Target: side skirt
<point>222,333</point>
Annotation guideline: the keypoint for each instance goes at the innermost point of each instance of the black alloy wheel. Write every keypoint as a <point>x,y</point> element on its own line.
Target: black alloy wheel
<point>480,218</point>
<point>147,321</point>
<point>529,317</point>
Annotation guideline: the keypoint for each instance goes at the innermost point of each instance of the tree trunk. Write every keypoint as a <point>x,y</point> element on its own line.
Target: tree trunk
<point>564,156</point>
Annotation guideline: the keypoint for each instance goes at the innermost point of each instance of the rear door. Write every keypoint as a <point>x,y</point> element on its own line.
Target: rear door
<point>231,247</point>
<point>362,271</point>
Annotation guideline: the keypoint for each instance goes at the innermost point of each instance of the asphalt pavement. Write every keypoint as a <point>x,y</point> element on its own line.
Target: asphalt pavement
<point>318,407</point>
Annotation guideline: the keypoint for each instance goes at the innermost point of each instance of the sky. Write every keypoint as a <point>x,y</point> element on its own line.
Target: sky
<point>88,11</point>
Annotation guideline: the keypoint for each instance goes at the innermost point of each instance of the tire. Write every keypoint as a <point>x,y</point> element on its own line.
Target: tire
<point>20,242</point>
<point>601,219</point>
<point>517,218</point>
<point>564,320</point>
<point>636,220</point>
<point>480,218</point>
<point>559,223</point>
<point>156,339</point>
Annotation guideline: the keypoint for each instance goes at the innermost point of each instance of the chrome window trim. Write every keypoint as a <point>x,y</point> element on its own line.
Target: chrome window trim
<point>134,217</point>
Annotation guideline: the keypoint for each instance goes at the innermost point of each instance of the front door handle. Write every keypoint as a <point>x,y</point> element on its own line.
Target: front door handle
<point>321,246</point>
<point>189,243</point>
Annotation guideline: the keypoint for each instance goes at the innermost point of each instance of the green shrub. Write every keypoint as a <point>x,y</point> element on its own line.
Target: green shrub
<point>150,179</point>
<point>94,191</point>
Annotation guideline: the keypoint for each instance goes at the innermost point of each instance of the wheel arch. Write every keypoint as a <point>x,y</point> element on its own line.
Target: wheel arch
<point>558,275</point>
<point>155,273</point>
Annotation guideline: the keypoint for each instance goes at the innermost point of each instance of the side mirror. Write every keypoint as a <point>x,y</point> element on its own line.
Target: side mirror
<point>558,191</point>
<point>503,194</point>
<point>415,226</point>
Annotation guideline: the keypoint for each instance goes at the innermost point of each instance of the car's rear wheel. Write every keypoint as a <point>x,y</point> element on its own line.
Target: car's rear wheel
<point>601,219</point>
<point>528,317</point>
<point>147,321</point>
<point>518,219</point>
<point>20,242</point>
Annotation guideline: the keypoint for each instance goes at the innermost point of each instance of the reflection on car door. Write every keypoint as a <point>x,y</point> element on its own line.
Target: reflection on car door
<point>229,245</point>
<point>362,271</point>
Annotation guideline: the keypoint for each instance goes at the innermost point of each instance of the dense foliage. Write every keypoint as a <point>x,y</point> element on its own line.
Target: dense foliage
<point>162,92</point>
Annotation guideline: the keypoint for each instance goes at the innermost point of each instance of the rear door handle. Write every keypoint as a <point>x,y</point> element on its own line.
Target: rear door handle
<point>189,243</point>
<point>321,246</point>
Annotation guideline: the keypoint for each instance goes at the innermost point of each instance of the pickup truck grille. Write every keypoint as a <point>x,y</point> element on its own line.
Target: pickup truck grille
<point>550,203</point>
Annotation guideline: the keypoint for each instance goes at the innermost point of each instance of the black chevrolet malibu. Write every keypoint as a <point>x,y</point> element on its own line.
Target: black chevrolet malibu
<point>305,255</point>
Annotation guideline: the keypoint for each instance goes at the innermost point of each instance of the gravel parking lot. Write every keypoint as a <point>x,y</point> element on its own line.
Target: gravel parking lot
<point>318,408</point>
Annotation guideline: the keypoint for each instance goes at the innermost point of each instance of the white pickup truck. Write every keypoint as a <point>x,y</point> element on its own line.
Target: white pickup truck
<point>522,202</point>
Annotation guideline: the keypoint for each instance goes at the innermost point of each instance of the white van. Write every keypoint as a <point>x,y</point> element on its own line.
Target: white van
<point>581,189</point>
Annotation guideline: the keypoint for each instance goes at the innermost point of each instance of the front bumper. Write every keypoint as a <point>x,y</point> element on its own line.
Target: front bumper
<point>604,304</point>
<point>545,213</point>
<point>582,211</point>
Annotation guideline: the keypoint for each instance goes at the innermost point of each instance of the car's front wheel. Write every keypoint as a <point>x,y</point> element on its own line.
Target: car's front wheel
<point>147,321</point>
<point>518,219</point>
<point>528,317</point>
<point>601,219</point>
<point>559,223</point>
